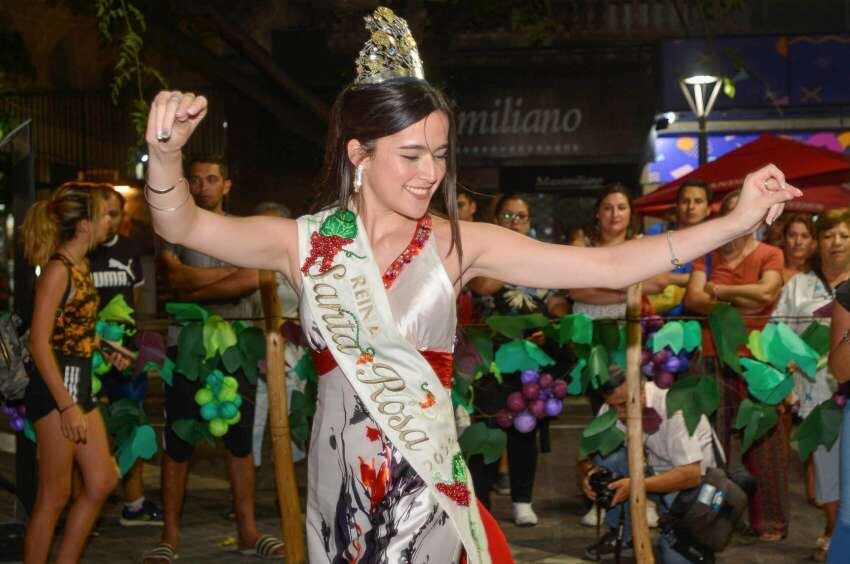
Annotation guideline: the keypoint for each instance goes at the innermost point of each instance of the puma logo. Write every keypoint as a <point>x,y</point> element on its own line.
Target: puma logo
<point>128,268</point>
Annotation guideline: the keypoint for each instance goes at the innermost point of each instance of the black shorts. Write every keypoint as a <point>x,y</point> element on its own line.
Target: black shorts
<point>180,404</point>
<point>76,372</point>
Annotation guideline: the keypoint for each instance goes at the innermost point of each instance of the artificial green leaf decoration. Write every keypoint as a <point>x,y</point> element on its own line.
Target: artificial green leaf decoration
<point>575,328</point>
<point>515,326</point>
<point>300,411</point>
<point>165,370</point>
<point>190,351</point>
<point>192,431</point>
<point>305,369</point>
<point>671,334</point>
<point>766,383</point>
<point>607,333</point>
<point>186,312</point>
<point>478,438</point>
<point>597,366</point>
<point>462,394</point>
<point>692,335</point>
<point>252,343</point>
<point>816,336</point>
<point>600,423</point>
<point>754,345</point>
<point>783,346</point>
<point>142,444</point>
<point>820,428</point>
<point>117,311</point>
<point>518,355</point>
<point>218,336</point>
<point>603,443</point>
<point>729,333</point>
<point>29,431</point>
<point>694,396</point>
<point>121,418</point>
<point>342,223</point>
<point>578,380</point>
<point>110,331</point>
<point>232,359</point>
<point>756,419</point>
<point>483,343</point>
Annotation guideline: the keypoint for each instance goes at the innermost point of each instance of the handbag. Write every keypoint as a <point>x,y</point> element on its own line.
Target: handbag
<point>15,360</point>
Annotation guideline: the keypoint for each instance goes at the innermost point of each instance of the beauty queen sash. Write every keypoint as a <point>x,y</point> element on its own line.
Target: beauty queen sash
<point>346,295</point>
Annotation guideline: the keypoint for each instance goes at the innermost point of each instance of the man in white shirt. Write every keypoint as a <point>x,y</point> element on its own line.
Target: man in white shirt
<point>675,459</point>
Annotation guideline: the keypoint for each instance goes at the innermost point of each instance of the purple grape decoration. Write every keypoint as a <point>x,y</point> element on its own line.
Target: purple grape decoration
<point>560,389</point>
<point>504,418</point>
<point>554,407</point>
<point>546,380</point>
<point>525,422</point>
<point>516,402</point>
<point>537,408</point>
<point>529,376</point>
<point>530,391</point>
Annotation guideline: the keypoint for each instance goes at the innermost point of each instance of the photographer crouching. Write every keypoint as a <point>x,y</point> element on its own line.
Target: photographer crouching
<point>676,461</point>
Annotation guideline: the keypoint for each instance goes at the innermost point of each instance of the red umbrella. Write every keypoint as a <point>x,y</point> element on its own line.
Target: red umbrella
<point>818,199</point>
<point>804,166</point>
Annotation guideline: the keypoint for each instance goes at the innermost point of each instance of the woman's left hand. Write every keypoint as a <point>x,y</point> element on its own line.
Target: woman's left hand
<point>763,198</point>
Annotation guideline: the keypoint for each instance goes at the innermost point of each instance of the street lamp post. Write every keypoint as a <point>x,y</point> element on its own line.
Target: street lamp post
<point>701,92</point>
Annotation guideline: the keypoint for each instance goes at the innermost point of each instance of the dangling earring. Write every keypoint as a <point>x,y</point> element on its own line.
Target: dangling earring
<point>358,178</point>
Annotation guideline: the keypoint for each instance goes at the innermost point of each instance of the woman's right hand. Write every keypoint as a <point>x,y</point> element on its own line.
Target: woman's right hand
<point>173,117</point>
<point>73,424</point>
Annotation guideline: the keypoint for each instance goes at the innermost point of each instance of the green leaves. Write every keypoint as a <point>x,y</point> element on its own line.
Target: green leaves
<point>515,326</point>
<point>117,311</point>
<point>727,326</point>
<point>186,312</point>
<point>816,336</point>
<point>694,396</point>
<point>575,328</point>
<point>192,431</point>
<point>597,366</point>
<point>141,444</point>
<point>518,355</point>
<point>218,336</point>
<point>190,351</point>
<point>300,411</point>
<point>602,435</point>
<point>782,347</point>
<point>756,419</point>
<point>678,335</point>
<point>342,223</point>
<point>478,438</point>
<point>578,379</point>
<point>766,383</point>
<point>821,427</point>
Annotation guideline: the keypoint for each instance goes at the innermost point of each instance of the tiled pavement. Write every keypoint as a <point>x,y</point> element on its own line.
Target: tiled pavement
<point>209,537</point>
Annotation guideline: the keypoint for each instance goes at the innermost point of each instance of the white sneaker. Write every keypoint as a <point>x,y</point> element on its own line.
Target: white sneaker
<point>652,514</point>
<point>524,515</point>
<point>590,518</point>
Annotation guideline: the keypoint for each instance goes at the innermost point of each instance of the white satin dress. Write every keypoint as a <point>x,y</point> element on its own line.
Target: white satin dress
<point>365,503</point>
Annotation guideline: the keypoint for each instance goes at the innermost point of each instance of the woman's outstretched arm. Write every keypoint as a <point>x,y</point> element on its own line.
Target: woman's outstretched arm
<point>250,242</point>
<point>499,253</point>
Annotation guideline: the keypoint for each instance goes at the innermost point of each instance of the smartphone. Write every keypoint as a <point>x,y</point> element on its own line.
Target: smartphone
<point>108,346</point>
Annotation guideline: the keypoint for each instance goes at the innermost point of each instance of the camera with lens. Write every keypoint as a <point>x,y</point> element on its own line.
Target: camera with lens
<point>599,481</point>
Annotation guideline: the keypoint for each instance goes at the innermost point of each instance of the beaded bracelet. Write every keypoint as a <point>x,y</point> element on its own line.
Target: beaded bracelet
<point>67,407</point>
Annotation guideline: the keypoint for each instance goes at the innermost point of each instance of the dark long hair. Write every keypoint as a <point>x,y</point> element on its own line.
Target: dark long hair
<point>371,111</point>
<point>631,227</point>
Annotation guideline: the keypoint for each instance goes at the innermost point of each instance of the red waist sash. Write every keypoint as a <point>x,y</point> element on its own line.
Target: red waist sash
<point>441,362</point>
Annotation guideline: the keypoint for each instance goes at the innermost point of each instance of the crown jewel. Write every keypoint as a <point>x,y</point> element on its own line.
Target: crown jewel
<point>391,51</point>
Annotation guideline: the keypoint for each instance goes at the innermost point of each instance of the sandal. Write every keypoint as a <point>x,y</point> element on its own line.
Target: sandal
<point>162,551</point>
<point>265,548</point>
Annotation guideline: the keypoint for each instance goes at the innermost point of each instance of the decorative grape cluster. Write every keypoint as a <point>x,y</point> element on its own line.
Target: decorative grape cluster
<point>219,400</point>
<point>663,366</point>
<point>16,415</point>
<point>541,396</point>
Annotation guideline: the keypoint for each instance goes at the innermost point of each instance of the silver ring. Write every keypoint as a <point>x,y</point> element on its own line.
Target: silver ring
<point>175,98</point>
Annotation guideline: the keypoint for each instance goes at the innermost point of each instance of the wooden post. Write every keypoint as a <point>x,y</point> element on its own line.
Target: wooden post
<point>634,416</point>
<point>291,519</point>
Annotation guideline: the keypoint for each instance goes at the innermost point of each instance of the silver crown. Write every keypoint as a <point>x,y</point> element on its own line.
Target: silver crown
<point>391,51</point>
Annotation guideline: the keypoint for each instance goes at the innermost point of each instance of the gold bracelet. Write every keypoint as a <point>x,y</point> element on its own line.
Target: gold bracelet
<point>178,206</point>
